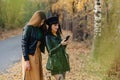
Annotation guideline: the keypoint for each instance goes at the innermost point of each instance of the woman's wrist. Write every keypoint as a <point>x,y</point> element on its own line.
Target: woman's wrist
<point>27,61</point>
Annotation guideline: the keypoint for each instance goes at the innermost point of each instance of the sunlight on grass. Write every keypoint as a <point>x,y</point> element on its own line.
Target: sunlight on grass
<point>107,46</point>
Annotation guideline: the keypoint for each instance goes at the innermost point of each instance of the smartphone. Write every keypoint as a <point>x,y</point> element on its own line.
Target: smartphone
<point>67,37</point>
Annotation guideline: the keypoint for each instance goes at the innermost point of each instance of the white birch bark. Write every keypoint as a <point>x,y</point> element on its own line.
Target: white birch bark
<point>97,22</point>
<point>97,18</point>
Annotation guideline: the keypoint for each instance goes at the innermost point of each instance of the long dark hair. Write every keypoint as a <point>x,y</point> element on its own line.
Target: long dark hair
<point>44,29</point>
<point>59,31</point>
<point>43,17</point>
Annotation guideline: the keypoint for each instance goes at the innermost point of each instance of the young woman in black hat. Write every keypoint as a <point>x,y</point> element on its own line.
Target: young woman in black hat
<point>58,62</point>
<point>33,44</point>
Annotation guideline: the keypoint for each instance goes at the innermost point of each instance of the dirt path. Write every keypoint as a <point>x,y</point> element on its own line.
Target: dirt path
<point>9,33</point>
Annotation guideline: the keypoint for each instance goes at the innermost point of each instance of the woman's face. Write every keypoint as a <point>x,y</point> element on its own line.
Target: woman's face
<point>55,27</point>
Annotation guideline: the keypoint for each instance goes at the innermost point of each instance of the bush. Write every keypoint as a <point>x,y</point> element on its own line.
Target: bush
<point>106,48</point>
<point>15,13</point>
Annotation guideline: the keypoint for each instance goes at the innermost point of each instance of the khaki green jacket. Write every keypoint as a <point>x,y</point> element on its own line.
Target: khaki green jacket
<point>58,60</point>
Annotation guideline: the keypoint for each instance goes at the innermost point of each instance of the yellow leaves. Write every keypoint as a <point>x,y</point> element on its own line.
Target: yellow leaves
<point>81,4</point>
<point>14,73</point>
<point>56,6</point>
<point>68,5</point>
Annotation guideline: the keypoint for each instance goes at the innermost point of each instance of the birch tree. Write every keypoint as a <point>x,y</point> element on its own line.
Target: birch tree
<point>97,22</point>
<point>97,17</point>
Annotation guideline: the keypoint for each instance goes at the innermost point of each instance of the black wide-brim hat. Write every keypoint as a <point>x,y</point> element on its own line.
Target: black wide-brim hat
<point>52,20</point>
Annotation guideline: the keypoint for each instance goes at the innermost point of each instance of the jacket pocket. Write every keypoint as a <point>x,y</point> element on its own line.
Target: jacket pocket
<point>67,56</point>
<point>49,64</point>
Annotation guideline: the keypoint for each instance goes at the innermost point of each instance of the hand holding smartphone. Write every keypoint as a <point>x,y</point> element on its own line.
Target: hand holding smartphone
<point>64,41</point>
<point>67,37</point>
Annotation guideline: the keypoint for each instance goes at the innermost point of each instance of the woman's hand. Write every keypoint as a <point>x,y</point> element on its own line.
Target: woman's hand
<point>63,42</point>
<point>27,65</point>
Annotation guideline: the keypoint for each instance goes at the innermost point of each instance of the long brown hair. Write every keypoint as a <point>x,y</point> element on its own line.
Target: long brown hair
<point>37,17</point>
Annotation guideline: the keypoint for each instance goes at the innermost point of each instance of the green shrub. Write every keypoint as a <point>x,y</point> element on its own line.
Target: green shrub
<point>15,13</point>
<point>106,47</point>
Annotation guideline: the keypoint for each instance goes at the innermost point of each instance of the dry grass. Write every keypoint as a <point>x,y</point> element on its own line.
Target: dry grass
<point>4,34</point>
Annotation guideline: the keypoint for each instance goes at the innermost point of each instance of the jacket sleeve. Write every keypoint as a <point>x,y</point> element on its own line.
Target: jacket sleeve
<point>42,45</point>
<point>25,40</point>
<point>49,45</point>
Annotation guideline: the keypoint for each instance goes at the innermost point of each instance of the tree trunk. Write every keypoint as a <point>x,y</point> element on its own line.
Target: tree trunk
<point>97,22</point>
<point>97,17</point>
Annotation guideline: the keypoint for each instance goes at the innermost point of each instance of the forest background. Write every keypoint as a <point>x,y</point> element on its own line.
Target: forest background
<point>78,17</point>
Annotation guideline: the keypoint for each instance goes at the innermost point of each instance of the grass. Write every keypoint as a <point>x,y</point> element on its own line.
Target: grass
<point>107,45</point>
<point>16,13</point>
